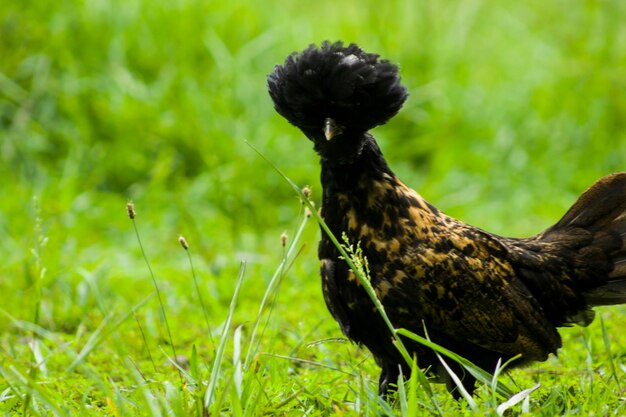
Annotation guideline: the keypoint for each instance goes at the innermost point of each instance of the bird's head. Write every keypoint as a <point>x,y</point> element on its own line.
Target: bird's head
<point>335,94</point>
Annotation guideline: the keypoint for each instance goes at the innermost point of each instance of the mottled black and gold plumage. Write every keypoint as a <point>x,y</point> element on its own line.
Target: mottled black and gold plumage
<point>483,296</point>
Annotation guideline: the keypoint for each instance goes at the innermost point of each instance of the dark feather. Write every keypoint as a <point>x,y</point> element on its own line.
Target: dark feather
<point>343,82</point>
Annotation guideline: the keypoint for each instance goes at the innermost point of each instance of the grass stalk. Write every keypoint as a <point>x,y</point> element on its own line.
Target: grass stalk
<point>185,245</point>
<point>40,271</point>
<point>32,391</point>
<point>103,332</point>
<point>130,208</point>
<point>271,288</point>
<point>607,347</point>
<point>219,355</point>
<point>145,341</point>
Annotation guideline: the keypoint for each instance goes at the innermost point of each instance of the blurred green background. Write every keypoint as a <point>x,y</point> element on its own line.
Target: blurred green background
<point>514,109</point>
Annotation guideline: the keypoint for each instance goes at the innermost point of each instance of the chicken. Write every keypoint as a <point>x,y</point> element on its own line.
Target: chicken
<point>483,296</point>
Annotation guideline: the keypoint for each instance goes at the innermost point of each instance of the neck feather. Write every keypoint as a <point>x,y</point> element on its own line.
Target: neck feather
<point>366,164</point>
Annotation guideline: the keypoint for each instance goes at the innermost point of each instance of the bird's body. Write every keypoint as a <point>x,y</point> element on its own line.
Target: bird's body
<point>482,296</point>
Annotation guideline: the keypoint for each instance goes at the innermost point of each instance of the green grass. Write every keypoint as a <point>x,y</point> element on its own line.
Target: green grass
<point>514,110</point>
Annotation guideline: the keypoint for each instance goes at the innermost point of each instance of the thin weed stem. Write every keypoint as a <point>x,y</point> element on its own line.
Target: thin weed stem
<point>607,346</point>
<point>131,214</point>
<point>274,281</point>
<point>145,341</point>
<point>185,246</point>
<point>37,251</point>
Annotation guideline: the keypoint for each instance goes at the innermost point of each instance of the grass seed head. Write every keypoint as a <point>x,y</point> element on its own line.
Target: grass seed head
<point>283,239</point>
<point>306,191</point>
<point>130,209</point>
<point>183,242</point>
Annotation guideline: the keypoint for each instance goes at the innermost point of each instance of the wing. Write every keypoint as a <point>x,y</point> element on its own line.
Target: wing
<point>462,286</point>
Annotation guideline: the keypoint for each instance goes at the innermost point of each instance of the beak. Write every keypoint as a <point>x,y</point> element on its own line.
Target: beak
<point>331,128</point>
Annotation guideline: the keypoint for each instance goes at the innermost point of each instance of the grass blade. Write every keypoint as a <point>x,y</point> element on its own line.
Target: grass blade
<point>32,390</point>
<point>607,347</point>
<point>274,281</point>
<point>402,397</point>
<point>217,362</point>
<point>477,372</point>
<point>515,399</point>
<point>412,394</point>
<point>459,385</point>
<point>100,334</point>
<point>237,369</point>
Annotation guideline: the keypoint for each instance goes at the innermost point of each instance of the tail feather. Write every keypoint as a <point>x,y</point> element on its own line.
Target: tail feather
<point>619,266</point>
<point>610,293</point>
<point>595,229</point>
<point>602,205</point>
<point>619,225</point>
<point>580,262</point>
<point>602,211</point>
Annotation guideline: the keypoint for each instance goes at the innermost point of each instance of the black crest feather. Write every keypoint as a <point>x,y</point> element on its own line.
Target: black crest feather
<point>354,87</point>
